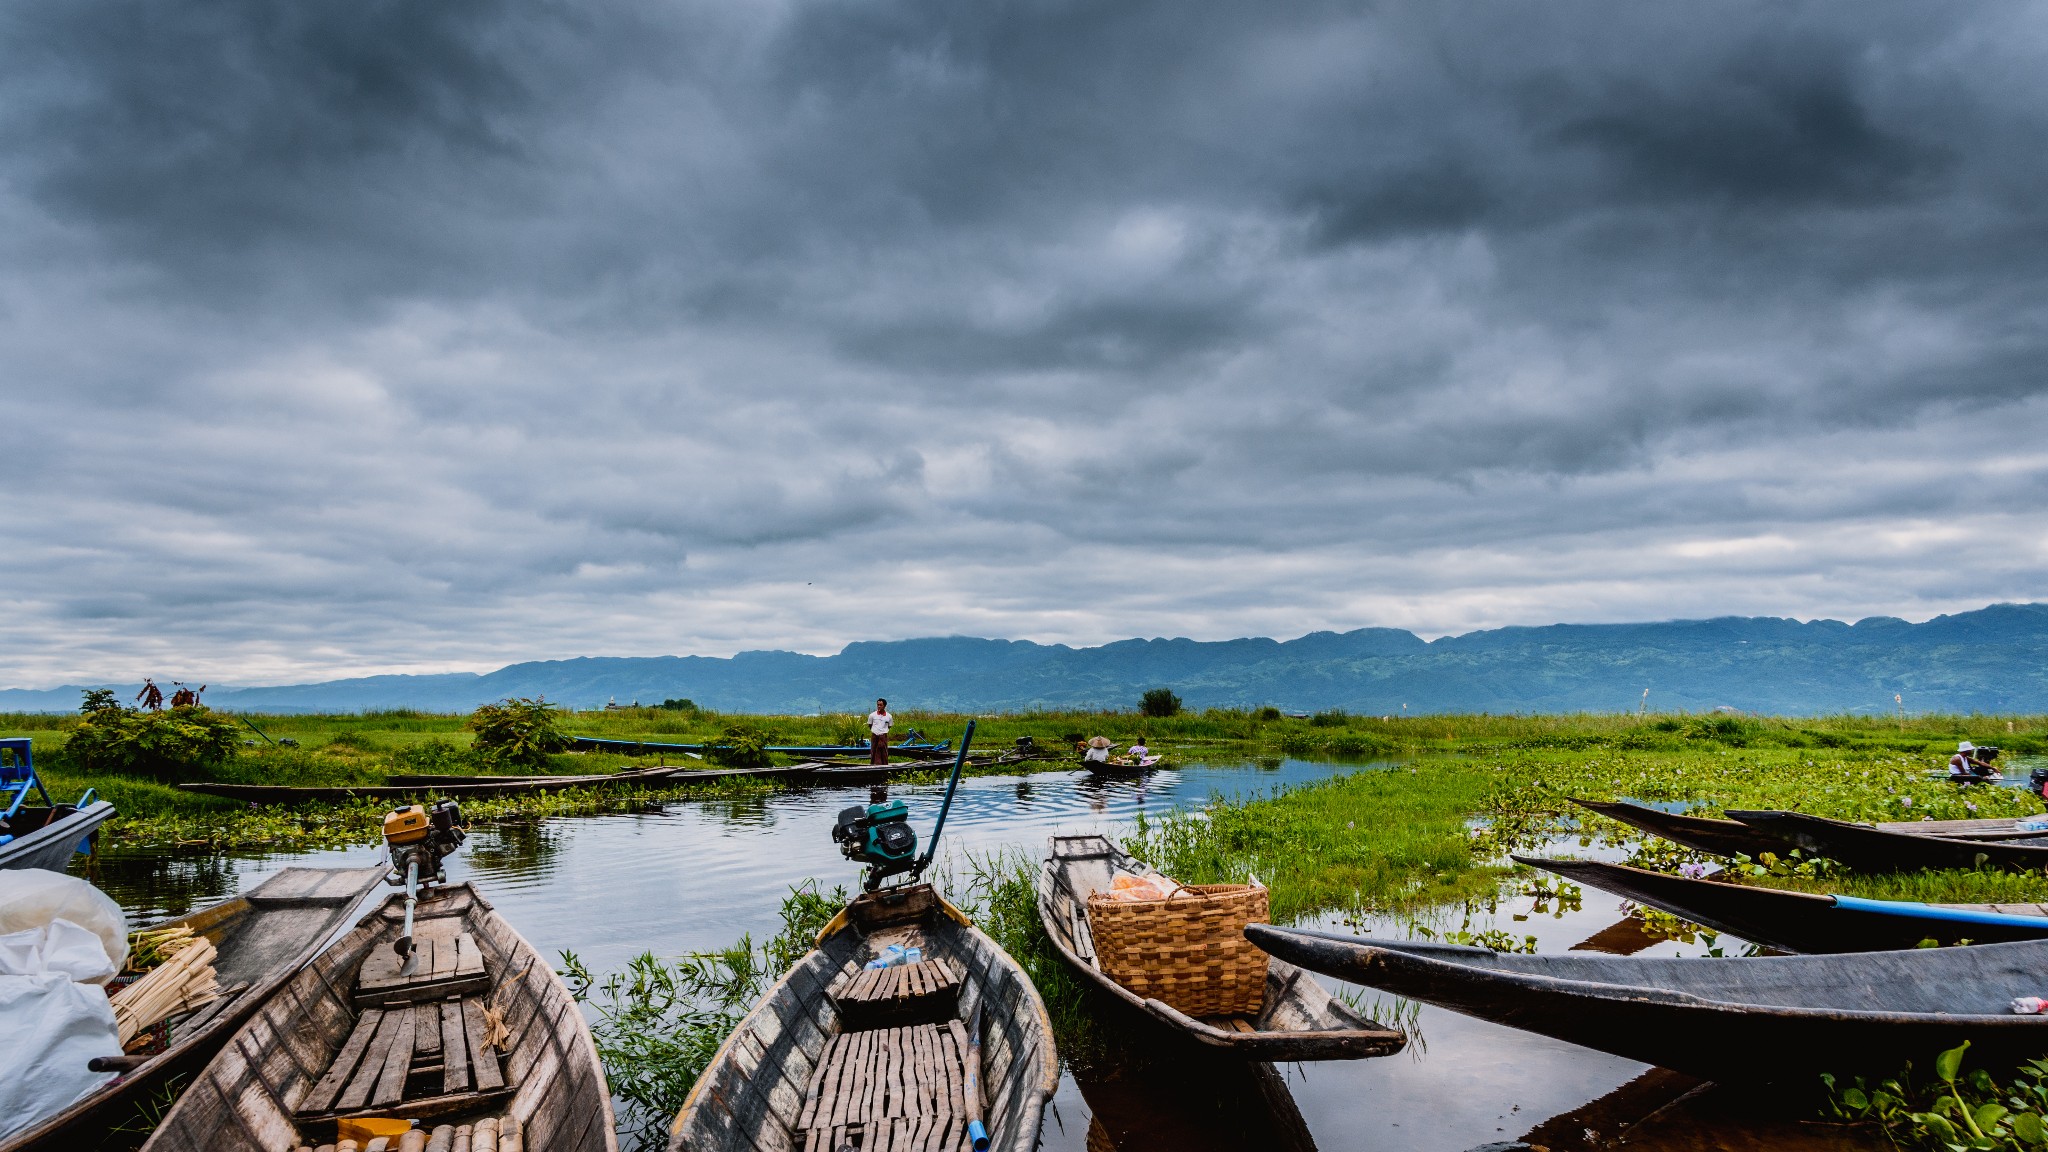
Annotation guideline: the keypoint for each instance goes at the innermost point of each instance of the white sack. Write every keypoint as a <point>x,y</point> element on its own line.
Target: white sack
<point>33,897</point>
<point>53,1028</point>
<point>59,946</point>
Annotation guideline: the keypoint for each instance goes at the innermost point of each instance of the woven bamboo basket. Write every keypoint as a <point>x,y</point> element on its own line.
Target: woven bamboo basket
<point>1188,950</point>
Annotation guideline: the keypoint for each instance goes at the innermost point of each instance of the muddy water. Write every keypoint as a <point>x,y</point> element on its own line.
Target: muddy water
<point>697,874</point>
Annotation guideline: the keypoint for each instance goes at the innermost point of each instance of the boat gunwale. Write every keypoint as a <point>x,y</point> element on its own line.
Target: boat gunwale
<point>1406,952</point>
<point>1047,1080</point>
<point>1260,1044</point>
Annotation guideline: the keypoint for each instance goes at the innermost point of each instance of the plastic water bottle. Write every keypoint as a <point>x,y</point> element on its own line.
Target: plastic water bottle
<point>2029,1005</point>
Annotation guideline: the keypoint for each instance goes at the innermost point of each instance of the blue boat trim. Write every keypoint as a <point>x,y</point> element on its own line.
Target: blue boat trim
<point>1913,910</point>
<point>595,744</point>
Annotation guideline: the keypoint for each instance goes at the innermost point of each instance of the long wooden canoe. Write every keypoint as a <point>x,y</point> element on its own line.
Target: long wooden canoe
<point>1298,1019</point>
<point>1714,837</point>
<point>791,1076</point>
<point>48,837</point>
<point>651,748</point>
<point>287,794</point>
<point>1868,849</point>
<point>1804,921</point>
<point>1778,1018</point>
<point>353,1034</point>
<point>260,938</point>
<point>665,775</point>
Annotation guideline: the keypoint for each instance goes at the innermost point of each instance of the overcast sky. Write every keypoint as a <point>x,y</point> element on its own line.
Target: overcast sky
<point>394,335</point>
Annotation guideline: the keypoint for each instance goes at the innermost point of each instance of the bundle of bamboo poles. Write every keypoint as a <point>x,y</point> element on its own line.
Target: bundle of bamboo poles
<point>181,981</point>
<point>496,1134</point>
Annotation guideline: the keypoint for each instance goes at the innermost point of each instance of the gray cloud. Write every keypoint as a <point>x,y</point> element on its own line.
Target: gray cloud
<point>404,336</point>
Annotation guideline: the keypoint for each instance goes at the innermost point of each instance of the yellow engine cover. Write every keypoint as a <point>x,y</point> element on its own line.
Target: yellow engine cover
<point>405,825</point>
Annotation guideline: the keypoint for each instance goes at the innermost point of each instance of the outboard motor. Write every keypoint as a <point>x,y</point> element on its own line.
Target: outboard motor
<point>879,834</point>
<point>2037,779</point>
<point>419,840</point>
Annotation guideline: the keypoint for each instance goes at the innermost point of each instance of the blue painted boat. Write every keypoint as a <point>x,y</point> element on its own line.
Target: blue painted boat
<point>46,835</point>
<point>913,742</point>
<point>1805,921</point>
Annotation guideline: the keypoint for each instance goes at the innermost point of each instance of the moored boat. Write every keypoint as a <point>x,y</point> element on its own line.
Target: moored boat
<point>1714,837</point>
<point>42,835</point>
<point>839,1054</point>
<point>1773,1018</point>
<point>1869,849</point>
<point>260,939</point>
<point>480,1030</point>
<point>1297,1018</point>
<point>1804,921</point>
<point>465,787</point>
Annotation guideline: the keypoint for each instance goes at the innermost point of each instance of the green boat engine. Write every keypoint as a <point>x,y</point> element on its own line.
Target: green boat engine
<point>878,835</point>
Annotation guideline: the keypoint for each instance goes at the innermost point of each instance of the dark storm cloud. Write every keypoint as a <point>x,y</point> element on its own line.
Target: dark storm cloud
<point>398,334</point>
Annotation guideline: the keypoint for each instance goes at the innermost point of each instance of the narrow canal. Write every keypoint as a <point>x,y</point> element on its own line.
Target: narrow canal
<point>697,874</point>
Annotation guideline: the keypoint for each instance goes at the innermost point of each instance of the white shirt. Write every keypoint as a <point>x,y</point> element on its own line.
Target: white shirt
<point>878,723</point>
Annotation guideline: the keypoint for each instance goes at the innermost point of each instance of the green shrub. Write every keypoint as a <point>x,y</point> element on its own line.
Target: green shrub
<point>683,705</point>
<point>1267,715</point>
<point>739,746</point>
<point>1160,702</point>
<point>517,731</point>
<point>169,746</point>
<point>1331,718</point>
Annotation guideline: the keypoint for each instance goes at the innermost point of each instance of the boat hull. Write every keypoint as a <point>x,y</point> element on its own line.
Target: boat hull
<point>1802,921</point>
<point>1298,1018</point>
<point>247,1098</point>
<point>51,846</point>
<point>752,1093</point>
<point>1781,1019</point>
<point>1867,849</point>
<point>261,938</point>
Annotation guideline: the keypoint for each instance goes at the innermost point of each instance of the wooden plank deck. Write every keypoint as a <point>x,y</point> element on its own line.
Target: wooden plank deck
<point>418,1060</point>
<point>922,993</point>
<point>887,1090</point>
<point>447,964</point>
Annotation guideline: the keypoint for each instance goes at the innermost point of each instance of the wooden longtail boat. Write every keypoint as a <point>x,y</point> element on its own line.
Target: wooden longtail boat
<point>1803,921</point>
<point>1298,1019</point>
<point>1738,838</point>
<point>353,1034</point>
<point>837,1053</point>
<point>1715,837</point>
<point>666,775</point>
<point>646,748</point>
<point>261,937</point>
<point>1868,849</point>
<point>1774,1018</point>
<point>463,787</point>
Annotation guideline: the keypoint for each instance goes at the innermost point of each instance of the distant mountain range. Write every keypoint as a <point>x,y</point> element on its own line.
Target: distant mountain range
<point>1991,660</point>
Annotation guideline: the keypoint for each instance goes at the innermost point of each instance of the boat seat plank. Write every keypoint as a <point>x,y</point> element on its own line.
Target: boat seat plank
<point>321,1098</point>
<point>364,1079</point>
<point>925,992</point>
<point>454,1048</point>
<point>483,1060</point>
<point>447,963</point>
<point>390,1087</point>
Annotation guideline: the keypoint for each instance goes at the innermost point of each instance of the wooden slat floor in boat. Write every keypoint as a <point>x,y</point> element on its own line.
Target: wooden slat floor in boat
<point>448,964</point>
<point>920,993</point>
<point>888,1090</point>
<point>410,1054</point>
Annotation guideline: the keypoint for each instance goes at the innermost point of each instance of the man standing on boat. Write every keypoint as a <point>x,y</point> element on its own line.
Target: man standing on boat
<point>878,733</point>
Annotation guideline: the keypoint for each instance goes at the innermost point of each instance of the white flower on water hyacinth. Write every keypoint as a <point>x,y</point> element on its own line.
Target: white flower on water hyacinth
<point>1694,871</point>
<point>1905,801</point>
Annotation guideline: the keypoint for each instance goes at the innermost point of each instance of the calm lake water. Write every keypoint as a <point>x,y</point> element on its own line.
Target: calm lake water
<point>697,874</point>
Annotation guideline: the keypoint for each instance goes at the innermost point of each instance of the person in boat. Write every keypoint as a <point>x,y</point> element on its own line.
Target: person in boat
<point>879,722</point>
<point>1096,751</point>
<point>1971,760</point>
<point>1138,751</point>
